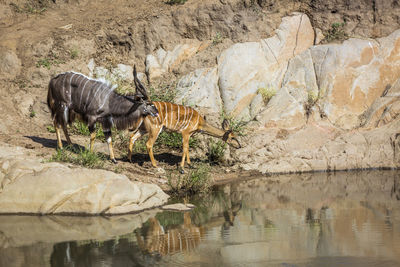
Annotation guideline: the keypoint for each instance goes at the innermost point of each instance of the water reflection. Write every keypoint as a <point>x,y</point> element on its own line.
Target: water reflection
<point>301,220</point>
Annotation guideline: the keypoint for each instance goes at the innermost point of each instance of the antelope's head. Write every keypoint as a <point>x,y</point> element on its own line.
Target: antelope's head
<point>229,136</point>
<point>146,106</point>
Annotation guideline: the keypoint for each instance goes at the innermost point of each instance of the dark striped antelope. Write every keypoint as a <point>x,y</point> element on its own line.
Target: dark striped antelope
<point>181,119</point>
<point>73,95</point>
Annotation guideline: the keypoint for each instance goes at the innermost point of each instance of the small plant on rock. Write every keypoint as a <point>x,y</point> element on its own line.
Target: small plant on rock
<point>217,39</point>
<point>266,93</point>
<point>312,98</point>
<point>336,32</point>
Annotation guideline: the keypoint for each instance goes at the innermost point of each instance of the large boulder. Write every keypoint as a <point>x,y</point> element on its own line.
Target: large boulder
<point>289,107</point>
<point>245,68</point>
<point>200,89</point>
<point>351,76</point>
<point>29,186</point>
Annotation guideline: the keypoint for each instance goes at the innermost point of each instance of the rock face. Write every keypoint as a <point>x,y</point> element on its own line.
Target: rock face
<point>10,64</point>
<point>245,68</point>
<point>200,89</point>
<point>164,61</point>
<point>29,186</point>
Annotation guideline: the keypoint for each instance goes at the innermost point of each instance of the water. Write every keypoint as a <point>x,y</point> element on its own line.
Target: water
<point>342,219</point>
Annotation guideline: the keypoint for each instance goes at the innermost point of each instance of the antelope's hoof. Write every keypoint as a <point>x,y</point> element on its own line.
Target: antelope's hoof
<point>191,166</point>
<point>181,171</point>
<point>114,161</point>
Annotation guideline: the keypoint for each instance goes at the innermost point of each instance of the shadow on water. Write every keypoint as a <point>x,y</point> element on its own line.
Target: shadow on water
<point>342,219</point>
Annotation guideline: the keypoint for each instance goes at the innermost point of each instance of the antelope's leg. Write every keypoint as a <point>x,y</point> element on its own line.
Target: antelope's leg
<point>66,134</point>
<point>59,142</point>
<point>153,134</point>
<point>132,141</point>
<point>107,135</point>
<point>185,141</point>
<point>92,130</point>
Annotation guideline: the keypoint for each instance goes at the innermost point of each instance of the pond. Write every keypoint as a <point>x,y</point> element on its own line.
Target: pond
<point>316,219</point>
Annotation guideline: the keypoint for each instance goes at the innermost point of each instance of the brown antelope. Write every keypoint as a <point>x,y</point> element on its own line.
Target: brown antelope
<point>181,119</point>
<point>73,95</point>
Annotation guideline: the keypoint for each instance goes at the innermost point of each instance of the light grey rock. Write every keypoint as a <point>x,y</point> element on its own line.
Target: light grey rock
<point>29,186</point>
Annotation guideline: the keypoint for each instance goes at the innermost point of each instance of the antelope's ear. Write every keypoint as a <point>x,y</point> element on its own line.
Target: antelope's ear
<point>225,125</point>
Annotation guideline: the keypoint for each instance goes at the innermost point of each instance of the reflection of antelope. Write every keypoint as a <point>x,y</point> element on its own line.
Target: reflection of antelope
<point>74,95</point>
<point>184,238</point>
<point>182,119</point>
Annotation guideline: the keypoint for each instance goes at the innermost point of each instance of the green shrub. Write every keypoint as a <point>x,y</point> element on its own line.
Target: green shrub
<point>216,150</point>
<point>336,32</point>
<point>196,181</point>
<point>79,156</point>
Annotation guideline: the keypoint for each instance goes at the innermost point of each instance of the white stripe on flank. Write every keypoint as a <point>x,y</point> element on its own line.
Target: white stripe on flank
<point>177,119</point>
<point>190,119</point>
<point>80,100</point>
<point>70,80</point>
<point>171,114</point>
<point>184,119</point>
<point>106,98</point>
<point>166,114</point>
<point>94,96</point>
<point>158,118</point>
<point>197,122</point>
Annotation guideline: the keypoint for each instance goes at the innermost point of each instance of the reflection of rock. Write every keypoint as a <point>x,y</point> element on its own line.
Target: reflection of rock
<point>54,229</point>
<point>343,214</point>
<point>29,186</point>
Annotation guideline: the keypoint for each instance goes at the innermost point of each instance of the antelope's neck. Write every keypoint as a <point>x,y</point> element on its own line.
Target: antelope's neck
<point>211,130</point>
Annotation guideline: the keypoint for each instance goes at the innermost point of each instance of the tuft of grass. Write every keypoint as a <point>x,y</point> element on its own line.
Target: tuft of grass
<point>196,181</point>
<point>48,62</point>
<point>74,53</point>
<point>79,156</point>
<point>217,38</point>
<point>50,129</point>
<point>175,2</point>
<point>43,62</point>
<point>312,98</point>
<point>165,93</point>
<point>336,32</point>
<point>216,150</point>
<point>29,9</point>
<point>80,128</point>
<point>267,93</point>
<point>32,112</point>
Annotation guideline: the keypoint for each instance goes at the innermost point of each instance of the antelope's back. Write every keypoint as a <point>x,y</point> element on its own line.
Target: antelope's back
<point>176,117</point>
